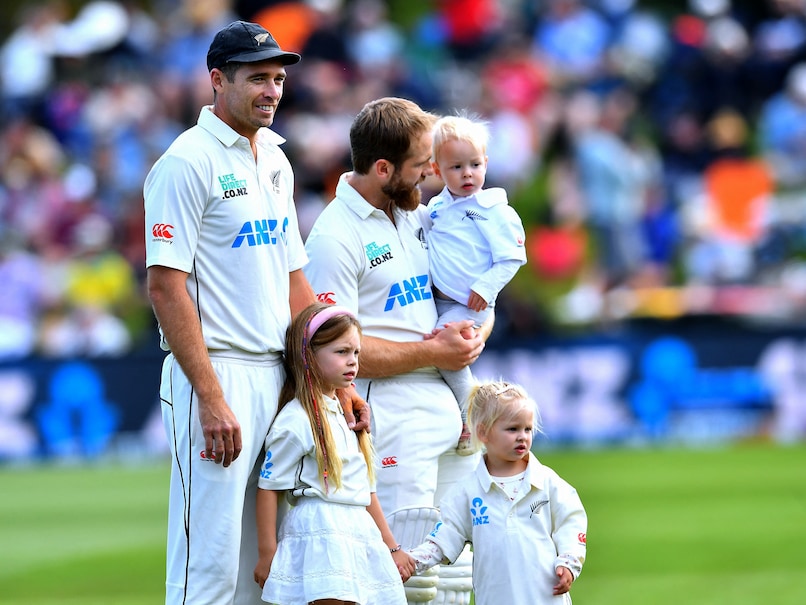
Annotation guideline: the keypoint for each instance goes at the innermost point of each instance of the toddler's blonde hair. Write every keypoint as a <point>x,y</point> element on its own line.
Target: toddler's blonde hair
<point>491,401</point>
<point>461,127</point>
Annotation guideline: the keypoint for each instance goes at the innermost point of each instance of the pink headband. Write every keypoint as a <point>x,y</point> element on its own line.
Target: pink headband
<point>315,322</point>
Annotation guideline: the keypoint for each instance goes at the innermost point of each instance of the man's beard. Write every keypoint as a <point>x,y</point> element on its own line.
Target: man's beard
<point>406,197</point>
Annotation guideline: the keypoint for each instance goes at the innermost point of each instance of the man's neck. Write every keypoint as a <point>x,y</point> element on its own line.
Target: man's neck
<point>371,194</point>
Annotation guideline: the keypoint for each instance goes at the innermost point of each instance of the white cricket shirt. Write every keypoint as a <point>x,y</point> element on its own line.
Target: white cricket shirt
<point>468,237</point>
<point>515,543</point>
<point>376,268</point>
<point>230,222</point>
<point>290,461</point>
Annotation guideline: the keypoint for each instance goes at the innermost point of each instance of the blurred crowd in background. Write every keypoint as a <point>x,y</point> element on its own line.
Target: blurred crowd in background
<point>656,152</point>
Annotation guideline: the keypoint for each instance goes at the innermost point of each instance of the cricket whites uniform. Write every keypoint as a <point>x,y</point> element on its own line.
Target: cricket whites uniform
<point>517,540</point>
<point>328,544</point>
<point>378,269</point>
<point>474,243</point>
<point>228,221</point>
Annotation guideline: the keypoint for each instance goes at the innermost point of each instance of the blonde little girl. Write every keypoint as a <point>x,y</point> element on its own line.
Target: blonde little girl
<point>526,524</point>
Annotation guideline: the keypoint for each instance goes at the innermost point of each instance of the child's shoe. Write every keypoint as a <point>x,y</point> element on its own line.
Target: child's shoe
<point>465,446</point>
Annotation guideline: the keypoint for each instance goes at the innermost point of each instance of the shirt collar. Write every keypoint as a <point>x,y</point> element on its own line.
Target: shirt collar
<point>535,472</point>
<point>352,199</point>
<point>356,202</point>
<point>486,198</point>
<point>332,405</point>
<point>228,137</point>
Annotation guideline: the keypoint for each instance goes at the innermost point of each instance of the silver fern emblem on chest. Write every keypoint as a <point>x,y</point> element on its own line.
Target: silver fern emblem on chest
<point>421,236</point>
<point>536,506</point>
<point>473,216</point>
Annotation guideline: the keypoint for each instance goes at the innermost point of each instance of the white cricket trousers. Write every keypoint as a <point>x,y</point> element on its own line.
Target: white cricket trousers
<point>212,537</point>
<point>416,426</point>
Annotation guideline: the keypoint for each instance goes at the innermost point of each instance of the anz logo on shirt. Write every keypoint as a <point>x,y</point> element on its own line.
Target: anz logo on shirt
<point>265,471</point>
<point>408,291</point>
<point>262,232</point>
<point>477,512</point>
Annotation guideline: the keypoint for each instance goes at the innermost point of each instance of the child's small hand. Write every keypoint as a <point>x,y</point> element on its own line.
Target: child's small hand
<point>405,564</point>
<point>476,302</point>
<point>465,447</point>
<point>263,566</point>
<point>565,579</point>
<point>262,571</point>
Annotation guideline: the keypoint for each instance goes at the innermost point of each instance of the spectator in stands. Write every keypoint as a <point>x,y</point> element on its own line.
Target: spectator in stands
<point>23,298</point>
<point>26,58</point>
<point>571,40</point>
<point>782,130</point>
<point>614,177</point>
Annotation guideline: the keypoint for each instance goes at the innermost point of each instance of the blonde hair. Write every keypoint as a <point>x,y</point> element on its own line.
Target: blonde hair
<point>304,382</point>
<point>491,401</point>
<point>461,127</point>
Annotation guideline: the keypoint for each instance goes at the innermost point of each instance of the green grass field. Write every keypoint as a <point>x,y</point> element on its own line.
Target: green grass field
<point>722,526</point>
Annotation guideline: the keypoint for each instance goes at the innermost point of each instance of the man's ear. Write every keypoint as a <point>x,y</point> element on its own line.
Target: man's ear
<point>216,78</point>
<point>384,169</point>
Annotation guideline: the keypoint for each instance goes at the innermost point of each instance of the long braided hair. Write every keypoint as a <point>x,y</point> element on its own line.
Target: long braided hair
<point>315,326</point>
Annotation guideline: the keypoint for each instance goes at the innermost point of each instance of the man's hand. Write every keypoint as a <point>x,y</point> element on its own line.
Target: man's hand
<point>222,431</point>
<point>356,410</point>
<point>452,350</point>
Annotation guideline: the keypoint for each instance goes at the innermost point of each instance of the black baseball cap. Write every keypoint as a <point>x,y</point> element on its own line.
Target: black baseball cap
<point>244,42</point>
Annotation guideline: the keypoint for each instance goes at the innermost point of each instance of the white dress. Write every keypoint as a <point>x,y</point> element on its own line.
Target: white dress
<point>329,547</point>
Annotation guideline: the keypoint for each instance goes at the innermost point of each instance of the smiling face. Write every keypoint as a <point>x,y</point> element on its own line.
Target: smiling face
<point>338,361</point>
<point>462,166</point>
<point>509,439</point>
<point>250,101</point>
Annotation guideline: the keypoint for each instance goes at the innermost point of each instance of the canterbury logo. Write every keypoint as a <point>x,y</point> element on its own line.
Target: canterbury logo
<point>261,38</point>
<point>327,297</point>
<point>162,230</point>
<point>583,538</point>
<point>390,461</point>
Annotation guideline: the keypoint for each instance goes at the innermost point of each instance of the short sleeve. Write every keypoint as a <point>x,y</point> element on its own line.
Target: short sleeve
<point>285,447</point>
<point>333,269</point>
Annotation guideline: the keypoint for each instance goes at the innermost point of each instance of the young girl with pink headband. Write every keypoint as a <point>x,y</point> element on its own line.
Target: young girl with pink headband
<point>334,544</point>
